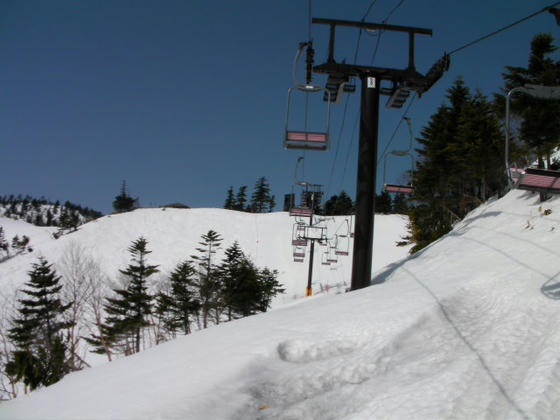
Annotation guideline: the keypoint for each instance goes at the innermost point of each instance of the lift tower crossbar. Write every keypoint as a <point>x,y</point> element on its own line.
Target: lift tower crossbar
<point>403,81</point>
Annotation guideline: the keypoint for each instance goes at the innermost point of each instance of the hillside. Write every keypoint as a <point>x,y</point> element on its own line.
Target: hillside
<point>468,328</point>
<point>173,235</point>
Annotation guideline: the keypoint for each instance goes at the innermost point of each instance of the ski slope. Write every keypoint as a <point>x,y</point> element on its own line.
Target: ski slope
<point>174,234</point>
<point>468,328</point>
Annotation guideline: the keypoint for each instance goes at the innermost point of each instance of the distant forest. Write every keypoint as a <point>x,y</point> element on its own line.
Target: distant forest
<point>42,212</point>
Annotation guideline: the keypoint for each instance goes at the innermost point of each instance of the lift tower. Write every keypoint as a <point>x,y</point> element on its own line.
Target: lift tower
<point>401,83</point>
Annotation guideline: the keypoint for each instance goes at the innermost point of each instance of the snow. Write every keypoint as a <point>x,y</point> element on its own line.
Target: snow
<point>467,328</point>
<point>173,235</point>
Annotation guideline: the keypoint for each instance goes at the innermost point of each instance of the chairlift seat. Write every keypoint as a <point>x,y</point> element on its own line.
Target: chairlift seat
<point>540,180</point>
<point>301,211</point>
<point>406,189</point>
<point>299,242</point>
<point>298,259</point>
<point>299,254</point>
<point>341,252</point>
<point>306,140</point>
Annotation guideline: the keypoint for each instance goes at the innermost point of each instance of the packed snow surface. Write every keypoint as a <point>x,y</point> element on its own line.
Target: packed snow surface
<point>467,329</point>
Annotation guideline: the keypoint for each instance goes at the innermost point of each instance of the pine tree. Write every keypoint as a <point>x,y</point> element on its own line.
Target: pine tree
<point>241,199</point>
<point>128,311</point>
<point>459,167</point>
<point>269,287</point>
<point>239,287</point>
<point>383,203</point>
<point>339,205</point>
<point>245,290</point>
<point>123,202</point>
<point>540,126</point>
<point>183,303</point>
<point>4,246</point>
<point>207,273</point>
<point>261,200</point>
<point>400,204</point>
<point>230,200</point>
<point>40,357</point>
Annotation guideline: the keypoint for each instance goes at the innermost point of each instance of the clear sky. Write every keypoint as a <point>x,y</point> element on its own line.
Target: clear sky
<point>183,99</point>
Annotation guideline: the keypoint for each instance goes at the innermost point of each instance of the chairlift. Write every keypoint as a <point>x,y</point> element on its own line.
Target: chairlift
<point>330,257</point>
<point>298,253</point>
<point>298,235</point>
<point>306,139</point>
<point>350,226</point>
<point>342,245</point>
<point>397,188</point>
<point>324,258</point>
<point>540,180</point>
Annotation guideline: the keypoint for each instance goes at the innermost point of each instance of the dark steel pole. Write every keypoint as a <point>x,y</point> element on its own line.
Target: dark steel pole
<point>309,290</point>
<point>365,189</point>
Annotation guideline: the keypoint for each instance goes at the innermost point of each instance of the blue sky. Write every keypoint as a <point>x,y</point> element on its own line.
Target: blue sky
<point>183,99</point>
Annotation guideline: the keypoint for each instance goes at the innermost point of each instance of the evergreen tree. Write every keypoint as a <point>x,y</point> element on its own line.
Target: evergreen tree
<point>239,287</point>
<point>269,287</point>
<point>128,311</point>
<point>123,202</point>
<point>230,200</point>
<point>19,245</point>
<point>245,290</point>
<point>459,167</point>
<point>4,246</point>
<point>400,204</point>
<point>241,199</point>
<point>339,205</point>
<point>261,200</point>
<point>40,357</point>
<point>208,279</point>
<point>184,303</point>
<point>383,203</point>
<point>540,126</point>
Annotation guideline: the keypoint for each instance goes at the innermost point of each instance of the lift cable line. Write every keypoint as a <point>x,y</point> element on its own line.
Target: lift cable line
<point>550,9</point>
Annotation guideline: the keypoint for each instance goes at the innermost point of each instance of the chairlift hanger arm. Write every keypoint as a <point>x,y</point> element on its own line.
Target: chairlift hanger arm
<point>373,26</point>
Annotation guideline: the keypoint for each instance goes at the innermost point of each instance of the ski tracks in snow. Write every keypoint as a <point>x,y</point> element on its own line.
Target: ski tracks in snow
<point>459,345</point>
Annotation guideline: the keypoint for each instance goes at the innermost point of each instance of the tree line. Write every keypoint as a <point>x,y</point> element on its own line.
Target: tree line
<point>262,201</point>
<point>43,336</point>
<point>41,212</point>
<point>462,147</point>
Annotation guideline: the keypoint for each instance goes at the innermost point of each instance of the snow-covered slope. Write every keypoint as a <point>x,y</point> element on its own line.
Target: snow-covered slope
<point>466,329</point>
<point>173,235</point>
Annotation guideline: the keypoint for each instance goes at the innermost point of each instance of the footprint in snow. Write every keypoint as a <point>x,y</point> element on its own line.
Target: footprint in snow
<point>302,351</point>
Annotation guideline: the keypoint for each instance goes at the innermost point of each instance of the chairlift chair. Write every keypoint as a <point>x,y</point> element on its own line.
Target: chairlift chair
<point>306,139</point>
<point>298,253</point>
<point>298,235</point>
<point>342,245</point>
<point>324,258</point>
<point>540,180</point>
<point>397,188</point>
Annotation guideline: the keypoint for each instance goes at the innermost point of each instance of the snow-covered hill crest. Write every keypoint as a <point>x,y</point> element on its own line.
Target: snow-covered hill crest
<point>174,234</point>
